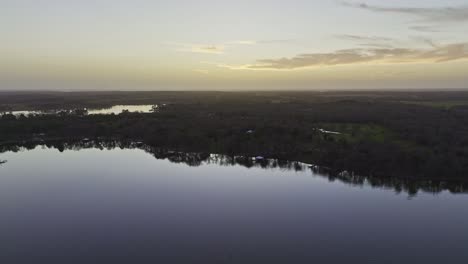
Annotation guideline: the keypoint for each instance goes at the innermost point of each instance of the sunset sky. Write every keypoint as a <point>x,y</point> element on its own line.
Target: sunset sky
<point>230,45</point>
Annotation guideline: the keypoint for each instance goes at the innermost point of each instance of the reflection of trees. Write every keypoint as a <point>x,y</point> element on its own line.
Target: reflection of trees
<point>399,185</point>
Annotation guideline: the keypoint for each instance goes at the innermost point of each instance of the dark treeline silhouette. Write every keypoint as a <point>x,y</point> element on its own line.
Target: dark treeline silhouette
<point>379,135</point>
<point>400,185</point>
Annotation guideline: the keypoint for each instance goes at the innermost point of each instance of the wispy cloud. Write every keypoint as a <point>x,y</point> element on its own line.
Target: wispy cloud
<point>243,42</point>
<point>257,42</point>
<point>446,14</point>
<point>383,42</point>
<point>208,49</point>
<point>218,49</point>
<point>425,40</point>
<point>445,53</point>
<point>275,41</point>
<point>198,48</point>
<point>362,38</point>
<point>426,29</point>
<point>368,41</point>
<point>376,45</point>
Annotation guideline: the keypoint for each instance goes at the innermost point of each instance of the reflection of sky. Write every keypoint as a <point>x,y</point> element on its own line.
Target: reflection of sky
<point>113,199</point>
<point>117,109</point>
<point>18,113</point>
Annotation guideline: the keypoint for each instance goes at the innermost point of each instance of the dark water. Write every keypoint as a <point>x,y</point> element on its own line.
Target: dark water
<point>125,206</point>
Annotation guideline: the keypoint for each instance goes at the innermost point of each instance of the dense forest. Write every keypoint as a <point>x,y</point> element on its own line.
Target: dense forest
<point>406,135</point>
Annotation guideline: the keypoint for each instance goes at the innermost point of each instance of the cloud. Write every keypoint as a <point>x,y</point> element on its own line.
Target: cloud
<point>362,55</point>
<point>219,48</point>
<point>243,42</point>
<point>198,48</point>
<point>376,45</point>
<point>274,41</point>
<point>425,40</point>
<point>208,49</point>
<point>368,41</point>
<point>383,42</point>
<point>362,38</point>
<point>426,29</point>
<point>256,42</point>
<point>444,14</point>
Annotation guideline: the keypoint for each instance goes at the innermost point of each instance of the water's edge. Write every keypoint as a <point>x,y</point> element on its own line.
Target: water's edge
<point>399,185</point>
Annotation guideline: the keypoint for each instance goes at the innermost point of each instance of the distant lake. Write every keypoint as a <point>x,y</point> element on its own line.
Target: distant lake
<point>113,204</point>
<point>116,109</point>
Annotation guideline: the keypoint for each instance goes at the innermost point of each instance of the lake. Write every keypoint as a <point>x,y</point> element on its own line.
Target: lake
<point>115,204</point>
<point>118,109</point>
<point>115,109</point>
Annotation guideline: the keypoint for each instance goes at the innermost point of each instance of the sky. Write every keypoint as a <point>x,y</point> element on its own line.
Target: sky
<point>233,45</point>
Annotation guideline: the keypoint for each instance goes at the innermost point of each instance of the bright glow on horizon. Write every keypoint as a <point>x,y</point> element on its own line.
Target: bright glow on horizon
<point>209,44</point>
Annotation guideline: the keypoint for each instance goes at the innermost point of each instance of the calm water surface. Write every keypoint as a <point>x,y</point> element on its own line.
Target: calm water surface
<point>125,206</point>
<point>116,109</point>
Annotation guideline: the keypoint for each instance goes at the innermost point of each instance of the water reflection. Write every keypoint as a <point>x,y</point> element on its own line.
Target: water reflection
<point>116,109</point>
<point>410,186</point>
